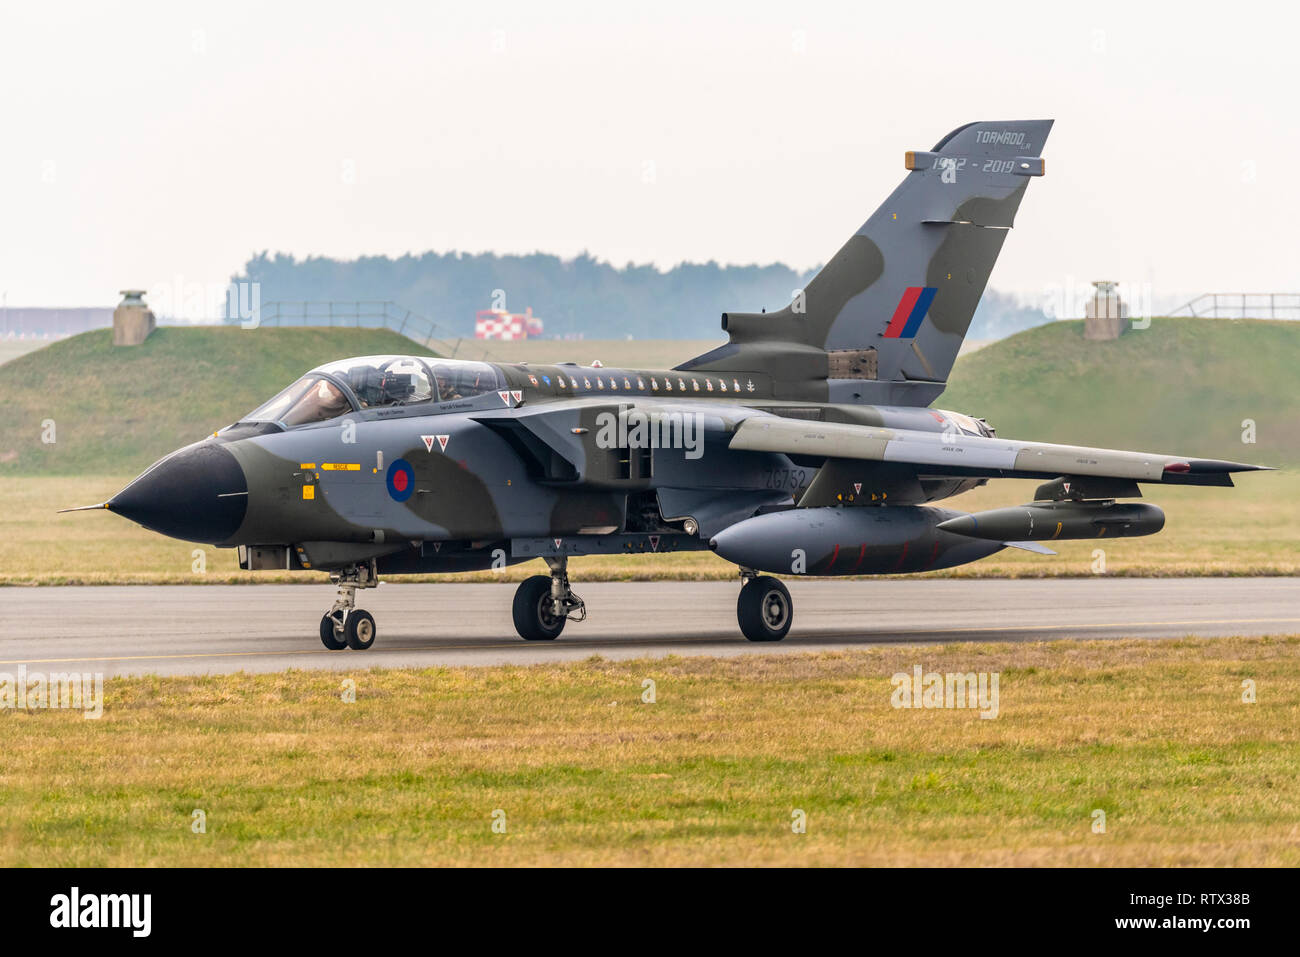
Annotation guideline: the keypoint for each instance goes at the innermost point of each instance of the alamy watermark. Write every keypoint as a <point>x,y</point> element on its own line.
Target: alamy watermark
<point>1121,300</point>
<point>70,691</point>
<point>977,691</point>
<point>75,909</point>
<point>634,429</point>
<point>208,301</point>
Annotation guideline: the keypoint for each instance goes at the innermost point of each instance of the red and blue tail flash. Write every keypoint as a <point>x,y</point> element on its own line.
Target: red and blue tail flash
<point>910,312</point>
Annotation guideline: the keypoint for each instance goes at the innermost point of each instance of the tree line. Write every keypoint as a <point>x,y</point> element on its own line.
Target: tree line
<point>582,296</point>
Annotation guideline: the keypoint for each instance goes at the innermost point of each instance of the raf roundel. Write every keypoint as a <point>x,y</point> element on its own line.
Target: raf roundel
<point>401,480</point>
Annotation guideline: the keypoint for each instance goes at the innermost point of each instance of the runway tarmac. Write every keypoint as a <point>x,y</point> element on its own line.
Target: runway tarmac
<point>201,629</point>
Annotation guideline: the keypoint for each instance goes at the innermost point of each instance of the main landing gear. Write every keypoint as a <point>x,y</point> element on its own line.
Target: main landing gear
<point>764,608</point>
<point>543,604</point>
<point>345,625</point>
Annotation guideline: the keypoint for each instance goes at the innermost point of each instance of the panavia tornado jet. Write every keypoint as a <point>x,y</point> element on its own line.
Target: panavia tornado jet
<point>806,445</point>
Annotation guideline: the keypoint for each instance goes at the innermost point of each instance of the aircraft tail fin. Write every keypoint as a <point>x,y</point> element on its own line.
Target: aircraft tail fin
<point>883,320</point>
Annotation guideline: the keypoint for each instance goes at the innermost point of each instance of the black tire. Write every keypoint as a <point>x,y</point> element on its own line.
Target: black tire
<point>330,638</point>
<point>359,629</point>
<point>532,611</point>
<point>764,609</point>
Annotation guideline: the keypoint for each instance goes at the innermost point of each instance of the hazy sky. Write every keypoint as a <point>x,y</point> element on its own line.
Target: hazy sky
<point>163,143</point>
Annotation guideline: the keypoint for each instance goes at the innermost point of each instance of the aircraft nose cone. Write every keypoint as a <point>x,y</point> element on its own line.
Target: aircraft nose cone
<point>198,494</point>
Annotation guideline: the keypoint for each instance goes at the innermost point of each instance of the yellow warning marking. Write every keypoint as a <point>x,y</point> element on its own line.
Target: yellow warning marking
<point>308,492</point>
<point>1058,530</point>
<point>307,465</point>
<point>341,466</point>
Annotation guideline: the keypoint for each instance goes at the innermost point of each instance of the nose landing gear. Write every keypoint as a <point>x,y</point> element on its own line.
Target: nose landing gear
<point>543,604</point>
<point>345,625</point>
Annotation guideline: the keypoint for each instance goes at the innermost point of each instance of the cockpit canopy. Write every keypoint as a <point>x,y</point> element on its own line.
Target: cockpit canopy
<point>373,382</point>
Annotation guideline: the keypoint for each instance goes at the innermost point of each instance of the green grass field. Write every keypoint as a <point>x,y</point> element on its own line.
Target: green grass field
<point>1183,386</point>
<point>1253,529</point>
<point>1155,734</point>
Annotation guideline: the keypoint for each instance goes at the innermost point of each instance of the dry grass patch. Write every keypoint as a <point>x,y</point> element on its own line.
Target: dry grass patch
<point>1153,733</point>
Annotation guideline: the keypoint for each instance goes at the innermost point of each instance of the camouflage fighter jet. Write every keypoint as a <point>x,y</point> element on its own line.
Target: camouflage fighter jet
<point>804,446</point>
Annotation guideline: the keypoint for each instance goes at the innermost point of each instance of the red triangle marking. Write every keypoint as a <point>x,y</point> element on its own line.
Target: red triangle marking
<point>428,442</point>
<point>442,441</point>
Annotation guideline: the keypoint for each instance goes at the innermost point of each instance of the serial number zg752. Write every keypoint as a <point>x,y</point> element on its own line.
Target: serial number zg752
<point>790,479</point>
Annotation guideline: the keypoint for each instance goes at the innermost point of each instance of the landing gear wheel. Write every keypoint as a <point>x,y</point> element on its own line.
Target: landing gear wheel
<point>534,610</point>
<point>331,634</point>
<point>359,629</point>
<point>345,625</point>
<point>764,609</point>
